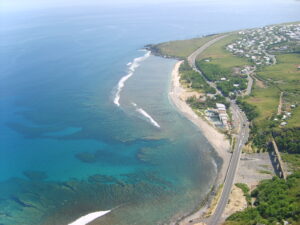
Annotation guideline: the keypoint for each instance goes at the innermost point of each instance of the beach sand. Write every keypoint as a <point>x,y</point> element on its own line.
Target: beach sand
<point>218,140</point>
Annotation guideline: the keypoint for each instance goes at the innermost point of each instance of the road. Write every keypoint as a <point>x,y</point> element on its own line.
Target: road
<point>274,60</point>
<point>193,56</point>
<point>241,139</point>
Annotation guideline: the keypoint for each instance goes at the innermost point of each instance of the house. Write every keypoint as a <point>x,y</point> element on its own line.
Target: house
<point>220,106</point>
<point>223,78</point>
<point>283,123</point>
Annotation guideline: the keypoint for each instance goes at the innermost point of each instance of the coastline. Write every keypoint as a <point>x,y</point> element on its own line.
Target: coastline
<point>218,140</point>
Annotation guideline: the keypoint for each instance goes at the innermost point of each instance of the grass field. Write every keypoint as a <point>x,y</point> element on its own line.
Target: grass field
<point>295,120</point>
<point>284,76</point>
<point>285,69</point>
<point>293,160</point>
<point>219,55</point>
<point>266,100</point>
<point>182,48</point>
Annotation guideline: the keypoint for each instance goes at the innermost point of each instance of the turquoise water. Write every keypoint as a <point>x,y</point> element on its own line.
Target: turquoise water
<point>67,149</point>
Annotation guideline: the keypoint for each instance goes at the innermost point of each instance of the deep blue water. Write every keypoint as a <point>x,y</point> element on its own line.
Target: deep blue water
<point>66,149</point>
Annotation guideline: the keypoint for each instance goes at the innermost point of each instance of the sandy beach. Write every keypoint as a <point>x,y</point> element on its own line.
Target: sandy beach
<point>215,138</point>
<point>218,140</point>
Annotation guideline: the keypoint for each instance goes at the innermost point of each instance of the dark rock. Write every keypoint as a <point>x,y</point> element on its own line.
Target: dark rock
<point>87,157</point>
<point>98,178</point>
<point>35,175</point>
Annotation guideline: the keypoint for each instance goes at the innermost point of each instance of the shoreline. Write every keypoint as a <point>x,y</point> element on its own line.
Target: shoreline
<point>217,140</point>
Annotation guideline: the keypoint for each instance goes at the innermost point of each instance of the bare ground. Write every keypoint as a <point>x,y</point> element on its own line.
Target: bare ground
<point>253,168</point>
<point>237,202</point>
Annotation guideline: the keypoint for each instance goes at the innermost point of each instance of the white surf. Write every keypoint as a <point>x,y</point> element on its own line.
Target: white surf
<point>89,218</point>
<point>145,114</point>
<point>132,67</point>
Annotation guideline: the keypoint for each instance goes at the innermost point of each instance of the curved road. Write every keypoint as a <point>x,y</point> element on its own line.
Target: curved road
<point>193,56</point>
<point>241,139</point>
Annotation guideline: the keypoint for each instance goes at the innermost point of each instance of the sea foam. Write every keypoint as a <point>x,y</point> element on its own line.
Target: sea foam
<point>145,114</point>
<point>132,67</point>
<point>89,218</point>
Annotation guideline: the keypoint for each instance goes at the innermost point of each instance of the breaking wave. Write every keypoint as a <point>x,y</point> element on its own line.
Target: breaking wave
<point>89,218</point>
<point>132,67</point>
<point>145,114</point>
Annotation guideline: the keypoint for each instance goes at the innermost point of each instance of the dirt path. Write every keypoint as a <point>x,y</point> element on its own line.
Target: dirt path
<point>279,111</point>
<point>249,86</point>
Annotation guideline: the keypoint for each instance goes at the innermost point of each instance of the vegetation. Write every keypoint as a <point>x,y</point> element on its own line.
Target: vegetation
<point>280,78</point>
<point>194,79</point>
<point>210,102</point>
<point>180,49</point>
<point>276,200</point>
<point>250,110</point>
<point>286,64</point>
<point>227,87</point>
<point>220,56</point>
<point>213,72</point>
<point>293,161</point>
<point>216,63</point>
<point>265,100</point>
<point>265,172</point>
<point>288,140</point>
<point>246,191</point>
<point>249,216</point>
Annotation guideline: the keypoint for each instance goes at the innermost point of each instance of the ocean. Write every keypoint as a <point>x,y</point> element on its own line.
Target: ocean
<point>86,123</point>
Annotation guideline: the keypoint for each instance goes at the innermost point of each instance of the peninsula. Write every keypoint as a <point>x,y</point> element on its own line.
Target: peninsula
<point>242,90</point>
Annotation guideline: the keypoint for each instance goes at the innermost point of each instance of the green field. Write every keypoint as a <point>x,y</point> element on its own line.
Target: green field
<point>218,54</point>
<point>181,48</point>
<point>293,161</point>
<point>266,100</point>
<point>295,120</point>
<point>216,63</point>
<point>285,69</point>
<point>284,76</point>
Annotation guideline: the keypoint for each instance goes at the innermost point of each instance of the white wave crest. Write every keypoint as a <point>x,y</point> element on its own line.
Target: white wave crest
<point>145,114</point>
<point>132,67</point>
<point>89,218</point>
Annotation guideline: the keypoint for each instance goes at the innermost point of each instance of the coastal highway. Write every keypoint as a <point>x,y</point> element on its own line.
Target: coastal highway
<point>193,56</point>
<point>241,138</point>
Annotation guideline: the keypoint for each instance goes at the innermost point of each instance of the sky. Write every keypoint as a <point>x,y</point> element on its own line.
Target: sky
<point>17,5</point>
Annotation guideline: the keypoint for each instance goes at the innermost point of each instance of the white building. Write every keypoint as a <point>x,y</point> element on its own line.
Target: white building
<point>222,114</point>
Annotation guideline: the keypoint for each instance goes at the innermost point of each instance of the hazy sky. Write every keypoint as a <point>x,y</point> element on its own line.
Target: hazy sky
<point>15,5</point>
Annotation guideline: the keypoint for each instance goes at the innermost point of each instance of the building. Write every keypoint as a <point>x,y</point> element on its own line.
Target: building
<point>222,114</point>
<point>283,123</point>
